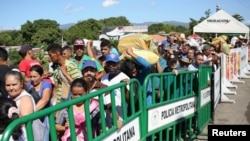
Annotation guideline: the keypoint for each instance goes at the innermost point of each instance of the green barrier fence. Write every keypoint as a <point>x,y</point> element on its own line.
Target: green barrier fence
<point>133,117</point>
<point>166,107</point>
<point>164,117</point>
<point>204,115</point>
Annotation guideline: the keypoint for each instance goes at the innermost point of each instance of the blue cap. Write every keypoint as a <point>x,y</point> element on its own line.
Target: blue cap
<point>112,58</point>
<point>89,63</point>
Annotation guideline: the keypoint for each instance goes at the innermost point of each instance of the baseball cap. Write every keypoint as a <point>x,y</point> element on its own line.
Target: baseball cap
<point>186,60</point>
<point>79,42</point>
<point>112,58</point>
<point>24,49</point>
<point>205,46</point>
<point>89,63</point>
<point>172,58</point>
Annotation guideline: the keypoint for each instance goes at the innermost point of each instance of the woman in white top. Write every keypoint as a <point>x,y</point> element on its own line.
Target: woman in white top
<point>14,84</point>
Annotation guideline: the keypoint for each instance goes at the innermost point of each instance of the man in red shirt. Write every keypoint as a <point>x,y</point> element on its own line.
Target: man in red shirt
<point>27,62</point>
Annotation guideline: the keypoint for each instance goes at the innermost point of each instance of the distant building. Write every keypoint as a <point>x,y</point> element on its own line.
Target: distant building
<point>11,47</point>
<point>118,31</point>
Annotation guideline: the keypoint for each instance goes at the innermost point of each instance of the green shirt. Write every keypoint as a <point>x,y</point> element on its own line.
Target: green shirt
<point>84,58</point>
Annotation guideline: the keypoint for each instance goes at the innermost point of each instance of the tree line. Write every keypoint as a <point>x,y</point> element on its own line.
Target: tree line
<point>42,32</point>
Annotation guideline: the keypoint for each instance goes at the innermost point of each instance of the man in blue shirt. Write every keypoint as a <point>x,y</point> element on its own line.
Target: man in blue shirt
<point>139,68</point>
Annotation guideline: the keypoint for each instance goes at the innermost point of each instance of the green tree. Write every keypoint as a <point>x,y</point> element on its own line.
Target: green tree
<point>169,28</point>
<point>41,32</point>
<point>238,17</point>
<point>155,28</point>
<point>5,39</point>
<point>40,56</point>
<point>27,30</point>
<point>11,38</point>
<point>89,29</point>
<point>16,37</point>
<point>45,36</point>
<point>14,57</point>
<point>192,23</point>
<point>207,14</point>
<point>180,29</point>
<point>114,43</point>
<point>45,23</point>
<point>115,21</point>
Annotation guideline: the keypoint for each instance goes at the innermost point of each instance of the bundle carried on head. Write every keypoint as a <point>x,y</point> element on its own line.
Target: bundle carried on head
<point>142,44</point>
<point>221,42</point>
<point>138,41</point>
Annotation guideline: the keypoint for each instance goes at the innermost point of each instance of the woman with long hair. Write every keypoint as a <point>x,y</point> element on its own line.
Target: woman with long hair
<point>43,91</point>
<point>14,84</point>
<point>40,86</point>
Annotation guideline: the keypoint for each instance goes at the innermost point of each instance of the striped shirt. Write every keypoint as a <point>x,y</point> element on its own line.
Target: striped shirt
<point>74,73</point>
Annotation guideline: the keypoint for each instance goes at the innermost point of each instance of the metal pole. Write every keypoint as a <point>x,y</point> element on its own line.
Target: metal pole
<point>62,41</point>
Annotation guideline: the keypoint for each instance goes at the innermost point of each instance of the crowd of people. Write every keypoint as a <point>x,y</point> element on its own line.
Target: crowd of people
<point>77,70</point>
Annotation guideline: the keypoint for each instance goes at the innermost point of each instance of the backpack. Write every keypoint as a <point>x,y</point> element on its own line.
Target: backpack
<point>32,91</point>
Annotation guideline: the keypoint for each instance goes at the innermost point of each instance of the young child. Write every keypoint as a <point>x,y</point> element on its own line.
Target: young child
<point>8,113</point>
<point>78,88</point>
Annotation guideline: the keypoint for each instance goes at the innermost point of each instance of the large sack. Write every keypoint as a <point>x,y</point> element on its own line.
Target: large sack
<point>148,55</point>
<point>222,44</point>
<point>138,41</point>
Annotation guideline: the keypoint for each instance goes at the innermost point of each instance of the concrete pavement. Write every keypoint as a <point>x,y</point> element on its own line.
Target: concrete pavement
<point>233,113</point>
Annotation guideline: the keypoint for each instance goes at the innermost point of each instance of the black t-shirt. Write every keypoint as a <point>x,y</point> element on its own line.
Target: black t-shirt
<point>3,70</point>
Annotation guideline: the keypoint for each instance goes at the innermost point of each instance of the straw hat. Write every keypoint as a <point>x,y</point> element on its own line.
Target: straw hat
<point>241,37</point>
<point>186,60</point>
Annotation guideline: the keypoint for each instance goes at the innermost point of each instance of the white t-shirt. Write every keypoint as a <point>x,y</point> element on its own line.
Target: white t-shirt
<point>17,100</point>
<point>24,93</point>
<point>51,71</point>
<point>116,80</point>
<point>207,60</point>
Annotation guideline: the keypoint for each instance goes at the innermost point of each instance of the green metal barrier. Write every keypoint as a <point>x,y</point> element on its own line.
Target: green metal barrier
<point>171,113</point>
<point>204,115</point>
<point>166,107</point>
<point>133,118</point>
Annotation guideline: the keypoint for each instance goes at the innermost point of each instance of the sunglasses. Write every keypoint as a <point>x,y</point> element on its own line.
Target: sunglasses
<point>78,47</point>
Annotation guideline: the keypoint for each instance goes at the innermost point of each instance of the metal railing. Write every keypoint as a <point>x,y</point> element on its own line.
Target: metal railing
<point>166,107</point>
